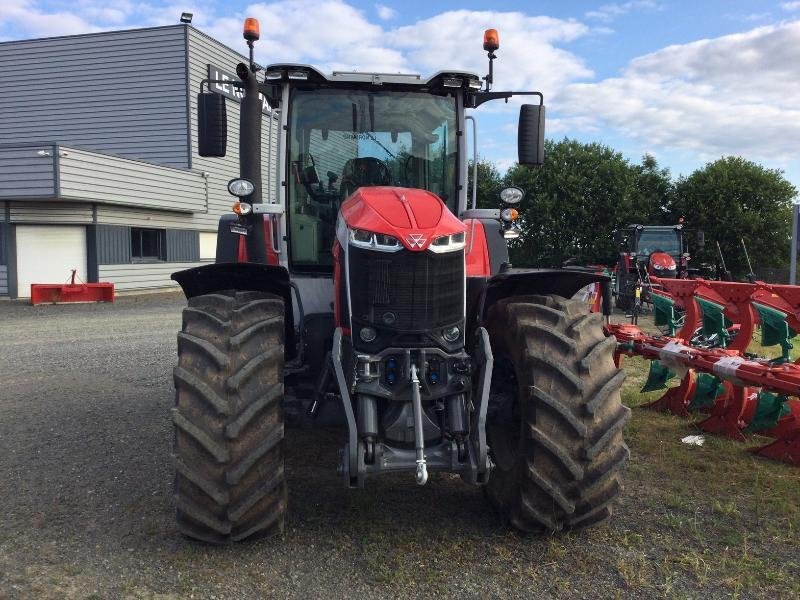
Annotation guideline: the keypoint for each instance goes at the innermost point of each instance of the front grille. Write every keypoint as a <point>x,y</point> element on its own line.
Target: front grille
<point>421,290</point>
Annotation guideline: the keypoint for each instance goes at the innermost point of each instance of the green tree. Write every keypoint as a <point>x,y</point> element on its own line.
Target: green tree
<point>573,203</point>
<point>490,182</point>
<point>654,193</point>
<point>733,198</point>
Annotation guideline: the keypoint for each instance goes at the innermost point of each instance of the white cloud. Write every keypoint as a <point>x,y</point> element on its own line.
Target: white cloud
<point>790,6</point>
<point>748,17</point>
<point>735,94</point>
<point>322,33</point>
<point>26,16</point>
<point>529,56</point>
<point>609,12</point>
<point>385,13</point>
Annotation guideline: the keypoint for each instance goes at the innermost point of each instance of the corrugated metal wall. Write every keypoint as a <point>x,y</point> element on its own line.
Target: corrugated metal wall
<point>50,212</point>
<point>142,276</point>
<point>113,244</point>
<point>183,245</point>
<point>3,242</point>
<point>27,171</point>
<point>102,178</point>
<point>121,92</point>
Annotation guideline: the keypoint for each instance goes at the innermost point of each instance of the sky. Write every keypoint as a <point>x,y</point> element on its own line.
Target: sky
<point>685,81</point>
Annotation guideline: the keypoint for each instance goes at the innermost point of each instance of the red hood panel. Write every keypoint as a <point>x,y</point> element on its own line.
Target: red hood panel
<point>662,259</point>
<point>413,216</point>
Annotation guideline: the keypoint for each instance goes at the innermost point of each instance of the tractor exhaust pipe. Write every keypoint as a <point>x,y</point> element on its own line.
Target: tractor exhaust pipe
<point>250,158</point>
<point>419,435</point>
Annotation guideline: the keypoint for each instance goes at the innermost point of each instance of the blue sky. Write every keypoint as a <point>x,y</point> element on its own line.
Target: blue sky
<point>687,81</point>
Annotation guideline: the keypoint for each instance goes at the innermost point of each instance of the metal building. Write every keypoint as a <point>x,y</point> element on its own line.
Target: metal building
<point>99,169</point>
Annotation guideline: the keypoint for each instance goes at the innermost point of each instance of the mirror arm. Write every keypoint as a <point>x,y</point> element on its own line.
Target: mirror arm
<point>478,98</point>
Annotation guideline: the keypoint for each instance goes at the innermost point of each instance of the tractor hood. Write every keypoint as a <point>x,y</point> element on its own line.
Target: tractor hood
<point>415,217</point>
<point>662,264</point>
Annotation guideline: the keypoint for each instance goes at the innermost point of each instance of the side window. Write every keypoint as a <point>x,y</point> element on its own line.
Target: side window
<point>148,245</point>
<point>441,163</point>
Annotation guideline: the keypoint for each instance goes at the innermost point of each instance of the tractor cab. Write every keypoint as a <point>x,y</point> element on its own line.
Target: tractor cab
<point>346,131</point>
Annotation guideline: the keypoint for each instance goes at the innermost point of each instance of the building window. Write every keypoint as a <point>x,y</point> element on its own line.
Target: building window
<point>148,244</point>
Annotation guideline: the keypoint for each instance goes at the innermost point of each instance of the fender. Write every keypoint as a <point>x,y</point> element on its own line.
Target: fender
<point>254,277</point>
<point>526,282</point>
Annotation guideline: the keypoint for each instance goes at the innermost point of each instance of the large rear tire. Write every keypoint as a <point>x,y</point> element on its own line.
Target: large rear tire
<point>228,418</point>
<point>556,419</point>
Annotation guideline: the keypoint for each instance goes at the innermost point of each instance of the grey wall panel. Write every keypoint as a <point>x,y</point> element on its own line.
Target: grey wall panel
<point>3,242</point>
<point>27,171</point>
<point>183,245</point>
<point>113,244</point>
<point>3,280</point>
<point>122,92</point>
<point>56,212</point>
<point>120,215</point>
<point>102,178</point>
<point>142,276</point>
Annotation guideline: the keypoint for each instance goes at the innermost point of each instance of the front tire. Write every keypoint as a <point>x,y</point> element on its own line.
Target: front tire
<point>228,418</point>
<point>556,419</point>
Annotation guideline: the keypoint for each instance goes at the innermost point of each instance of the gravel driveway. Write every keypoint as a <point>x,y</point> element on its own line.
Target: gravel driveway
<point>85,488</point>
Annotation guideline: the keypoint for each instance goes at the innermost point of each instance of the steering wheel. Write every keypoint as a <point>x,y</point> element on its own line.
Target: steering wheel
<point>363,171</point>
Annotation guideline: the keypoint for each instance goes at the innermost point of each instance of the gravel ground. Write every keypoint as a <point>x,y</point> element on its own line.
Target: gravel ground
<point>85,487</point>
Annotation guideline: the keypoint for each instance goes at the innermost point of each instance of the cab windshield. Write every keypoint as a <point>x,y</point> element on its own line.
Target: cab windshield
<point>341,140</point>
<point>659,240</point>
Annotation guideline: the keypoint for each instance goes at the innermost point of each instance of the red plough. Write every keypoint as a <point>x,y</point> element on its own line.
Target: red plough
<point>743,378</point>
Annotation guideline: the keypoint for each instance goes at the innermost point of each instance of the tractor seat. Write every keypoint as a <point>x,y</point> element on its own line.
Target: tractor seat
<point>365,171</point>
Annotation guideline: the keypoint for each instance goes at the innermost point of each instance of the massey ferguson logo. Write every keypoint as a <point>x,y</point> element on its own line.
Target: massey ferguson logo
<point>416,240</point>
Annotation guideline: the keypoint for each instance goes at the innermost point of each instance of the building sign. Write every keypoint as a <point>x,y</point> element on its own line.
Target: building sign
<point>228,90</point>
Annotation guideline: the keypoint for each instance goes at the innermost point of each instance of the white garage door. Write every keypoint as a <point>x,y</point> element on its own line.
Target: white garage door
<point>48,254</point>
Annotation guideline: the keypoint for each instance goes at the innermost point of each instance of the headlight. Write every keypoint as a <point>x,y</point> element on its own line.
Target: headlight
<point>374,241</point>
<point>512,195</point>
<point>368,334</point>
<point>448,243</point>
<point>241,187</point>
<point>451,333</point>
<point>658,267</point>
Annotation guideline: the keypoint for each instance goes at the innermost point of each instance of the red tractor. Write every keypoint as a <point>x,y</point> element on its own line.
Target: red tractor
<point>650,251</point>
<point>373,290</point>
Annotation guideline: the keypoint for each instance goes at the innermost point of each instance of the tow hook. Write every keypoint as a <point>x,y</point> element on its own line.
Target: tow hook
<point>419,437</point>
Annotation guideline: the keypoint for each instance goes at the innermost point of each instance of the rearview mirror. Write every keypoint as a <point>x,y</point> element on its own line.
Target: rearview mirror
<point>530,142</point>
<point>701,239</point>
<point>212,125</point>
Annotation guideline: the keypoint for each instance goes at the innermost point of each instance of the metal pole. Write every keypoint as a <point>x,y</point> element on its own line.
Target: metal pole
<point>250,163</point>
<point>793,255</point>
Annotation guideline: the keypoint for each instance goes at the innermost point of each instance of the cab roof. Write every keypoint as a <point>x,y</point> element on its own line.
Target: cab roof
<point>315,75</point>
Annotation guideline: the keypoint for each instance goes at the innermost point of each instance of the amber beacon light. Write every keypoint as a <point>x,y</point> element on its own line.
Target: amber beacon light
<point>491,40</point>
<point>252,30</point>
